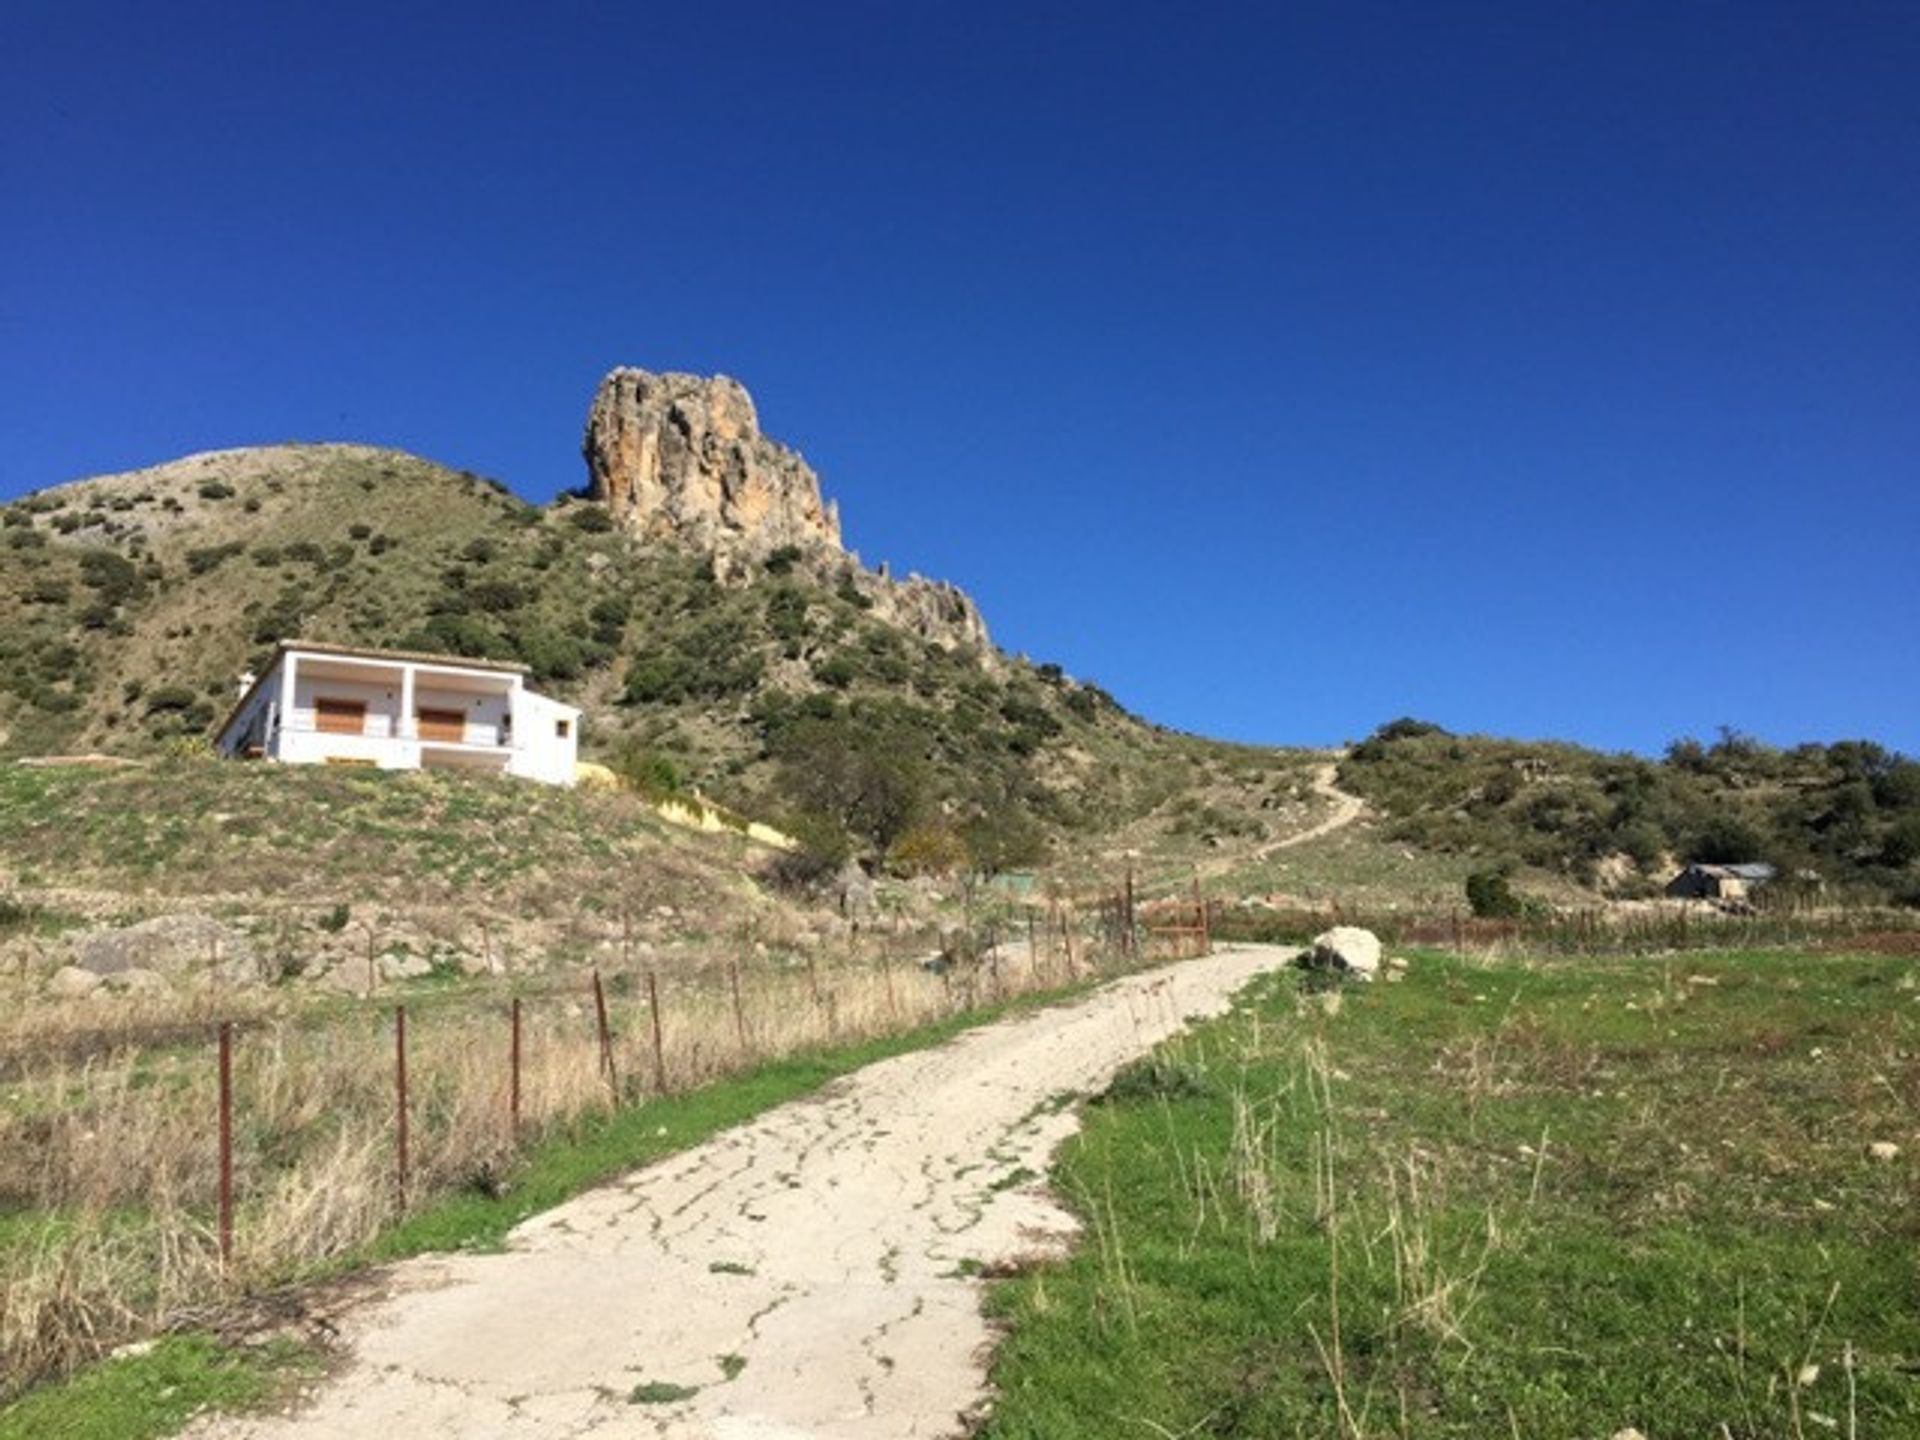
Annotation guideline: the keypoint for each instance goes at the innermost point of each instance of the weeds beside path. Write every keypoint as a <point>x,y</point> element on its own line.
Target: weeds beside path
<point>1533,1199</point>
<point>816,1268</point>
<point>156,1387</point>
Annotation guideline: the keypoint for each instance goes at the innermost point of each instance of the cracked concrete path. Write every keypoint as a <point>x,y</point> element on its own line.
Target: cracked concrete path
<point>808,1274</point>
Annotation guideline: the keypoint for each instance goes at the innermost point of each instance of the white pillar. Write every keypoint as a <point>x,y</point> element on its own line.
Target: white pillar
<point>286,704</point>
<point>404,726</point>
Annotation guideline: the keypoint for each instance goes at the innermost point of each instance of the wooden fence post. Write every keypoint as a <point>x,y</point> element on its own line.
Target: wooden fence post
<point>739,1010</point>
<point>513,1075</point>
<point>659,1048</point>
<point>1132,941</point>
<point>226,1145</point>
<point>606,1036</point>
<point>400,1100</point>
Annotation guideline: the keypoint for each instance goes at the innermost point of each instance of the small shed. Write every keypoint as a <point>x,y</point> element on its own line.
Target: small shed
<point>1719,882</point>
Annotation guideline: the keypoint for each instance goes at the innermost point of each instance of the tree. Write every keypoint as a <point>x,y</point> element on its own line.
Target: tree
<point>1490,895</point>
<point>1727,840</point>
<point>867,779</point>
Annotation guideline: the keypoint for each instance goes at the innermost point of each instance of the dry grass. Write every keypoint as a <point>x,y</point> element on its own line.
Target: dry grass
<point>109,1155</point>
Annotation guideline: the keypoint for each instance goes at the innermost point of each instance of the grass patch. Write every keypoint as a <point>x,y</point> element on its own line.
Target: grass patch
<point>660,1392</point>
<point>155,1392</point>
<point>1499,1199</point>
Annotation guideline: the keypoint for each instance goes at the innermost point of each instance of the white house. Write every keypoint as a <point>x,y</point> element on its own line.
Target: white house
<point>323,704</point>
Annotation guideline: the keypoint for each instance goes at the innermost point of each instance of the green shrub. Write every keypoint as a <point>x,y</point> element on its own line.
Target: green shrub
<point>593,519</point>
<point>170,698</point>
<point>209,558</point>
<point>214,490</point>
<point>647,771</point>
<point>1490,895</point>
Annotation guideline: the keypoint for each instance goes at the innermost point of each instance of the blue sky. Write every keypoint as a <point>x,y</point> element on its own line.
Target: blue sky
<point>1541,369</point>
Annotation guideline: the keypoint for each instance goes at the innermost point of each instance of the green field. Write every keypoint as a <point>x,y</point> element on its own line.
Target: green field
<point>1498,1199</point>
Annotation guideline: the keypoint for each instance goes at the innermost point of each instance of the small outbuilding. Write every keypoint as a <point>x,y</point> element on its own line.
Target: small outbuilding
<point>1719,882</point>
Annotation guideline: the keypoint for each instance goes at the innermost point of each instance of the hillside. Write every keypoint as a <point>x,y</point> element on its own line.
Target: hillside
<point>783,679</point>
<point>1840,821</point>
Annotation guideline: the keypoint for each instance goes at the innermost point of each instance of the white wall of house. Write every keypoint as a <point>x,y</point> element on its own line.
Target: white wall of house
<point>550,733</point>
<point>504,726</point>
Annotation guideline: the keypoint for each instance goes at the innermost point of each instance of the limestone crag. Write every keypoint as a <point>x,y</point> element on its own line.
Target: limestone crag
<point>932,609</point>
<point>681,457</point>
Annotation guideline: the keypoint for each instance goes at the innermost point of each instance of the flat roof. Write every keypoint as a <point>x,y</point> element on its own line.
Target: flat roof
<point>416,657</point>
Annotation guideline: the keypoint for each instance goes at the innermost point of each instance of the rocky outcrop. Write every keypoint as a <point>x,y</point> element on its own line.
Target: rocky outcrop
<point>169,945</point>
<point>681,457</point>
<point>934,610</point>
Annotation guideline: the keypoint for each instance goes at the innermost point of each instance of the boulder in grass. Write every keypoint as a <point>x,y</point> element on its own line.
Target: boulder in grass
<point>1348,950</point>
<point>70,982</point>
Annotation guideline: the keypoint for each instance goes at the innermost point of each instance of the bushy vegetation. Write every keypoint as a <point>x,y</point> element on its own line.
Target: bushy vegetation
<point>1846,813</point>
<point>148,588</point>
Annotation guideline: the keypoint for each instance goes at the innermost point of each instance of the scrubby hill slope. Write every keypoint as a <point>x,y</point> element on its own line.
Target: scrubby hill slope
<point>1843,818</point>
<point>130,604</point>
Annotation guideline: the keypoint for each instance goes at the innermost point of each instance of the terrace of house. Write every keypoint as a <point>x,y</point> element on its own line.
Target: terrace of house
<point>395,700</point>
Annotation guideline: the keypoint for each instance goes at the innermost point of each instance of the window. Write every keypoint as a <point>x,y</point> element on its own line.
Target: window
<point>339,717</point>
<point>441,724</point>
<point>562,728</point>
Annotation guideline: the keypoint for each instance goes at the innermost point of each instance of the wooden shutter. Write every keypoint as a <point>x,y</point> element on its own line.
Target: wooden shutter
<point>340,717</point>
<point>442,724</point>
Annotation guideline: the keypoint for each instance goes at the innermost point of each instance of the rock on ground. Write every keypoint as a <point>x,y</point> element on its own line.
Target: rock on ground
<point>1349,949</point>
<point>171,946</point>
<point>70,982</point>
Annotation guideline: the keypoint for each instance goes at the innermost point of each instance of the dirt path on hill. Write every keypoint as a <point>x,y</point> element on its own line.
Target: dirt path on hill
<point>806,1275</point>
<point>1346,810</point>
<point>1326,783</point>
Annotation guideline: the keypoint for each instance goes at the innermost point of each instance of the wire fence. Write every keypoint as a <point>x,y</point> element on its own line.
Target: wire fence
<point>1591,930</point>
<point>155,1168</point>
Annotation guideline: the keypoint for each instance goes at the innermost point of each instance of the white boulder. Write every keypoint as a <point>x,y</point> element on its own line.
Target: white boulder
<point>70,982</point>
<point>404,965</point>
<point>1352,951</point>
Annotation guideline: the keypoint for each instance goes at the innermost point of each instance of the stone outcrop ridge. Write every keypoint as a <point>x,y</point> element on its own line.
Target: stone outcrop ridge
<point>935,610</point>
<point>680,458</point>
